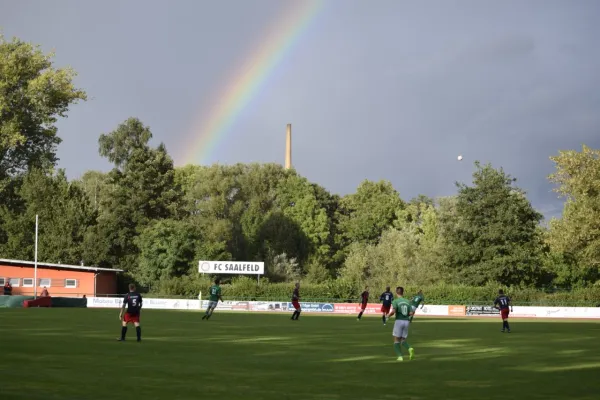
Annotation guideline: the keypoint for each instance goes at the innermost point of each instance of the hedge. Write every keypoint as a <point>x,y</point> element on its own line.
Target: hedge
<point>339,290</point>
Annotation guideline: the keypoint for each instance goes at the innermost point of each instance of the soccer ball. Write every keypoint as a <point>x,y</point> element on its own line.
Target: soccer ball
<point>459,158</point>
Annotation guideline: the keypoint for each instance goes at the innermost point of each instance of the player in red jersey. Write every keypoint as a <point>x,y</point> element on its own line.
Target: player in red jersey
<point>364,299</point>
<point>133,302</point>
<point>503,303</point>
<point>386,298</point>
<point>296,302</point>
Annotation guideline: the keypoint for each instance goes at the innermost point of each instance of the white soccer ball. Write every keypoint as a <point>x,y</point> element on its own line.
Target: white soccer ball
<point>459,158</point>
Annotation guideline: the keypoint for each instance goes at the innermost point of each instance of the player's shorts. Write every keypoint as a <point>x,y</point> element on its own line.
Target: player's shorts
<point>504,313</point>
<point>296,305</point>
<point>363,306</point>
<point>401,328</point>
<point>131,318</point>
<point>386,309</point>
<point>212,304</point>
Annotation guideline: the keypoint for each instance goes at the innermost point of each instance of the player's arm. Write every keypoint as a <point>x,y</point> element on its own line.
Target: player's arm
<point>220,297</point>
<point>510,304</point>
<point>141,302</point>
<point>392,312</point>
<point>423,304</point>
<point>122,311</point>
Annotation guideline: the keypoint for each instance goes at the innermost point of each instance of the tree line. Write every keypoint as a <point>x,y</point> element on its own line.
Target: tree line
<point>155,221</point>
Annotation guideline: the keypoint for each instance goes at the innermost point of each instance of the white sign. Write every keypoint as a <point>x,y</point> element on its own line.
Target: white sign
<point>232,267</point>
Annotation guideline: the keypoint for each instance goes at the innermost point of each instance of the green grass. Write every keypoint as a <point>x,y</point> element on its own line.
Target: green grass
<point>72,354</point>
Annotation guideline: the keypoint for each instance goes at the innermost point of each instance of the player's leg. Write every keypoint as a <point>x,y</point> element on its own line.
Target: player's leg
<point>362,310</point>
<point>124,328</point>
<point>138,330</point>
<point>211,309</point>
<point>405,344</point>
<point>505,317</point>
<point>397,332</point>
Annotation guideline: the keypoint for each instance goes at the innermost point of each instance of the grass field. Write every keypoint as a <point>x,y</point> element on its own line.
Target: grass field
<point>72,354</point>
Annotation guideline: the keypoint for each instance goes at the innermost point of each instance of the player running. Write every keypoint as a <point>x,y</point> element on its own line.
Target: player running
<point>213,300</point>
<point>502,303</point>
<point>133,302</point>
<point>415,301</point>
<point>296,302</point>
<point>364,299</point>
<point>403,310</point>
<point>386,297</point>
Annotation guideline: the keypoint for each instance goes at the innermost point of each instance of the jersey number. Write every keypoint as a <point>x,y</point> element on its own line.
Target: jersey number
<point>503,302</point>
<point>213,291</point>
<point>134,302</point>
<point>404,309</point>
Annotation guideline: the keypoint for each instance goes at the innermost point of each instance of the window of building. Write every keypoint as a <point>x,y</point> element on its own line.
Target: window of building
<point>70,283</point>
<point>27,282</point>
<point>45,282</point>
<point>14,282</point>
<point>2,281</point>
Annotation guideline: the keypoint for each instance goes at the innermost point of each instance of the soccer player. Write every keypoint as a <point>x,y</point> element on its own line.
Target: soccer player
<point>296,302</point>
<point>502,303</point>
<point>364,299</point>
<point>403,310</point>
<point>386,297</point>
<point>133,302</point>
<point>213,300</point>
<point>415,301</point>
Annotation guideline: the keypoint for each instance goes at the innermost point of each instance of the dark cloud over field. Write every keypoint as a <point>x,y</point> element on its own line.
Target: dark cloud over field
<point>379,90</point>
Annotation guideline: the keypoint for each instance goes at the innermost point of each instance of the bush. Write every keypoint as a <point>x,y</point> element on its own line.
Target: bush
<point>342,290</point>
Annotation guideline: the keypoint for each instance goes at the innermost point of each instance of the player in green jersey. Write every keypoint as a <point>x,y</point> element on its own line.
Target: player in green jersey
<point>213,300</point>
<point>416,300</point>
<point>403,310</point>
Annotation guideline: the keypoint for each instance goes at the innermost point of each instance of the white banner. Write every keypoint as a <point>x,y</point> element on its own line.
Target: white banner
<point>343,308</point>
<point>231,267</point>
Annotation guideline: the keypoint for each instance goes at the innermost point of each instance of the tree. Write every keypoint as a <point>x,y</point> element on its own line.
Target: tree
<point>576,236</point>
<point>364,215</point>
<point>142,190</point>
<point>65,215</point>
<point>33,94</point>
<point>494,236</point>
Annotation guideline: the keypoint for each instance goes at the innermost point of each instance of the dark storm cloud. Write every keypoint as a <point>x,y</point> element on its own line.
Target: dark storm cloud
<point>380,90</point>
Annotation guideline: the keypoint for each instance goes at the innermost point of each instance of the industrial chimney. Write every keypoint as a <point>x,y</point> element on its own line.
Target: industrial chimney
<point>288,147</point>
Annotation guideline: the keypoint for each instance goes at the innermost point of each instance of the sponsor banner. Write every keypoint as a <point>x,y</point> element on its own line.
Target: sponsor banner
<point>556,312</point>
<point>457,311</point>
<point>354,308</point>
<point>268,306</point>
<point>314,307</point>
<point>482,311</point>
<point>351,308</point>
<point>231,267</point>
<point>434,311</point>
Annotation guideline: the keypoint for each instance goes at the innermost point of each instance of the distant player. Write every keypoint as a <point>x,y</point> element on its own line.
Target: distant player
<point>133,303</point>
<point>403,310</point>
<point>364,300</point>
<point>415,301</point>
<point>296,302</point>
<point>213,300</point>
<point>386,298</point>
<point>503,303</point>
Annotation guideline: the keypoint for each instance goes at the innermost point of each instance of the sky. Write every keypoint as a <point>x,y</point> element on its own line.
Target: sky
<point>385,89</point>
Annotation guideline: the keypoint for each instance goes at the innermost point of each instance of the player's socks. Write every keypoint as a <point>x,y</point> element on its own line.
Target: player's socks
<point>507,326</point>
<point>360,315</point>
<point>383,319</point>
<point>398,349</point>
<point>138,331</point>
<point>298,315</point>
<point>406,345</point>
<point>123,332</point>
<point>294,315</point>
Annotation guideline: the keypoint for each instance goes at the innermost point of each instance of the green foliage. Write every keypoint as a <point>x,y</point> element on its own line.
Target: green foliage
<point>494,237</point>
<point>33,94</point>
<point>156,221</point>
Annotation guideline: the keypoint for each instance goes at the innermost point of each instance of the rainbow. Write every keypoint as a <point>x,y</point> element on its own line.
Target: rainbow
<point>249,79</point>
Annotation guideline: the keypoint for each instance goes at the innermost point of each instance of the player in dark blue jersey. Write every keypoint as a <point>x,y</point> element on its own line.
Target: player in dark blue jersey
<point>133,303</point>
<point>386,298</point>
<point>503,303</point>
